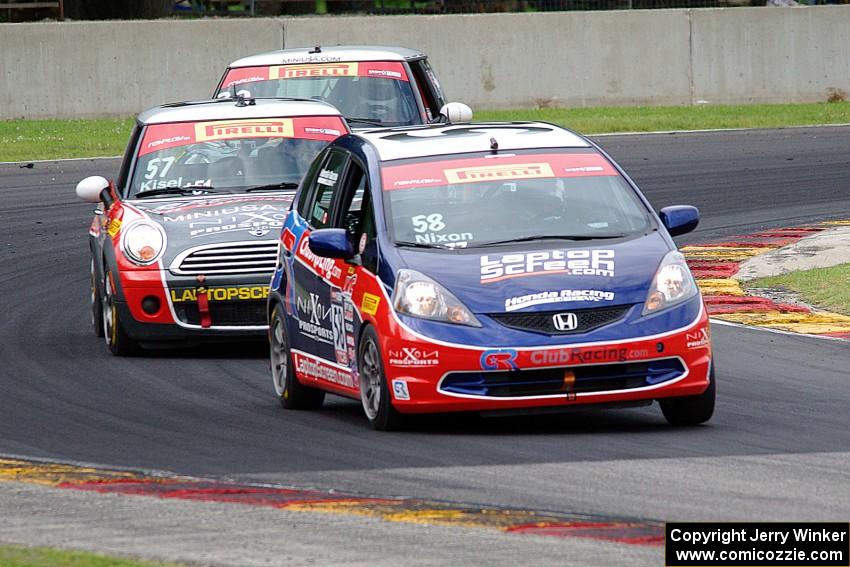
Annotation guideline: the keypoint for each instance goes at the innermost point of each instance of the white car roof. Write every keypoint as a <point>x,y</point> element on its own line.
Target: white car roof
<point>422,141</point>
<point>226,109</point>
<point>329,54</point>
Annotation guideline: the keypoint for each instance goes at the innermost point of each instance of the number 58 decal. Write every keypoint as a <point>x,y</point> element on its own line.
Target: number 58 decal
<point>424,223</point>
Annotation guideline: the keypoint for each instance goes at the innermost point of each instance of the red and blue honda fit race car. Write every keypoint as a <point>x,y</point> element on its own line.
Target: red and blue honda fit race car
<point>484,267</point>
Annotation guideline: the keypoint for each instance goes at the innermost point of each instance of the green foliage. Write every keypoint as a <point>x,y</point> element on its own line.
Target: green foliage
<point>827,288</point>
<point>17,556</point>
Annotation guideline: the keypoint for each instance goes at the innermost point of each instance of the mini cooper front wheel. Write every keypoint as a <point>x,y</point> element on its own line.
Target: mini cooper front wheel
<point>374,393</point>
<point>691,410</point>
<point>119,343</point>
<point>291,393</point>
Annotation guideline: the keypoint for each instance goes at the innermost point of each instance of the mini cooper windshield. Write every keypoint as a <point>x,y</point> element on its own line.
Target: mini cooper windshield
<point>228,156</point>
<point>373,92</point>
<point>508,198</point>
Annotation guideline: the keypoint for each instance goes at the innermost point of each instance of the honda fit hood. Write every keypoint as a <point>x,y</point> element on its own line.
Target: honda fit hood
<point>545,276</point>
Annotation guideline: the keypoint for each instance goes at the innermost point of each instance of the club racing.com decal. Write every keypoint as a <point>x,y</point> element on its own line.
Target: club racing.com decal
<point>506,359</point>
<point>571,262</point>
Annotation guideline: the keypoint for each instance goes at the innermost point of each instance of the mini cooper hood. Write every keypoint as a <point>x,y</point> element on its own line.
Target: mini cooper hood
<point>546,276</point>
<point>209,220</point>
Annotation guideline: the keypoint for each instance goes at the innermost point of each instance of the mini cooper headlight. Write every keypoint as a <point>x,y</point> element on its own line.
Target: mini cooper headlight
<point>671,285</point>
<point>143,242</point>
<point>418,295</point>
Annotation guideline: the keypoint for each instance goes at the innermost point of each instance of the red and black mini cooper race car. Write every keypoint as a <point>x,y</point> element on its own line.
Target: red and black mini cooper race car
<point>184,241</point>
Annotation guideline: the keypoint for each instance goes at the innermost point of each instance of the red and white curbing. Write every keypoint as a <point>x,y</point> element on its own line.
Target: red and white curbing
<point>715,264</point>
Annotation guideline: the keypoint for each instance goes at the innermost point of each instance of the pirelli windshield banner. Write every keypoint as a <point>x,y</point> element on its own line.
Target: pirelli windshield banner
<point>372,69</point>
<point>762,544</point>
<point>162,136</point>
<point>488,170</point>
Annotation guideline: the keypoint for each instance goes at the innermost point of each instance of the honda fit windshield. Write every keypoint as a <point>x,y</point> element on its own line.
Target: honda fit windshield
<point>505,198</point>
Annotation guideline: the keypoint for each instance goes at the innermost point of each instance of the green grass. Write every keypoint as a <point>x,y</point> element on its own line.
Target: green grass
<point>827,288</point>
<point>23,140</point>
<point>17,556</point>
<point>660,118</point>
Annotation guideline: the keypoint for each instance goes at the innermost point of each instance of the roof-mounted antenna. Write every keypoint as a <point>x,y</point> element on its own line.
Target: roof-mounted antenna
<point>316,49</point>
<point>244,98</point>
<point>494,145</point>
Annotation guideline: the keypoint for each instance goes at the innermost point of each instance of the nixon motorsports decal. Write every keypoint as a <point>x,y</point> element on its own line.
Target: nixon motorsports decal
<point>314,318</point>
<point>412,357</point>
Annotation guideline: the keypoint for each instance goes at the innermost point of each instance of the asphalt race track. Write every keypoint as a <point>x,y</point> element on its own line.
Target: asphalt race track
<point>778,447</point>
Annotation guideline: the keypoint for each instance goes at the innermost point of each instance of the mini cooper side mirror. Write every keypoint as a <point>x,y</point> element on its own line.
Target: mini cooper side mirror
<point>331,243</point>
<point>456,112</point>
<point>90,188</point>
<point>679,219</point>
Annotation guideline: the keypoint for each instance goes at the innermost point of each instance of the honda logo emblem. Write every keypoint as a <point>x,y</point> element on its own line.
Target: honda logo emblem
<point>565,321</point>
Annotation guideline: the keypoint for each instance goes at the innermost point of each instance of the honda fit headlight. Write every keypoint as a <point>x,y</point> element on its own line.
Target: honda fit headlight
<point>671,285</point>
<point>418,295</point>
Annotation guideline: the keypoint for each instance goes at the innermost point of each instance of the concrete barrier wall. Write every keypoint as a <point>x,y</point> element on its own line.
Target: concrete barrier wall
<point>652,57</point>
<point>84,69</point>
<point>771,55</point>
<point>518,60</point>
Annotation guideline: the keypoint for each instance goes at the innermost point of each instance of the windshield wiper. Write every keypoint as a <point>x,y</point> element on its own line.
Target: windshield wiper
<point>188,190</point>
<point>419,245</point>
<point>372,121</point>
<point>550,237</point>
<point>273,186</point>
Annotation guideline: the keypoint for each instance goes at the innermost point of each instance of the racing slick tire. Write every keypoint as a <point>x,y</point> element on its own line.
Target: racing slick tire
<point>119,343</point>
<point>374,392</point>
<point>96,303</point>
<point>291,393</point>
<point>691,410</point>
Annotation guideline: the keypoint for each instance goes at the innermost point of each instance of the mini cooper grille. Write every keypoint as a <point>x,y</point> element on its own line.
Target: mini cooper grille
<point>226,313</point>
<point>229,258</point>
<point>543,322</point>
<point>552,381</point>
